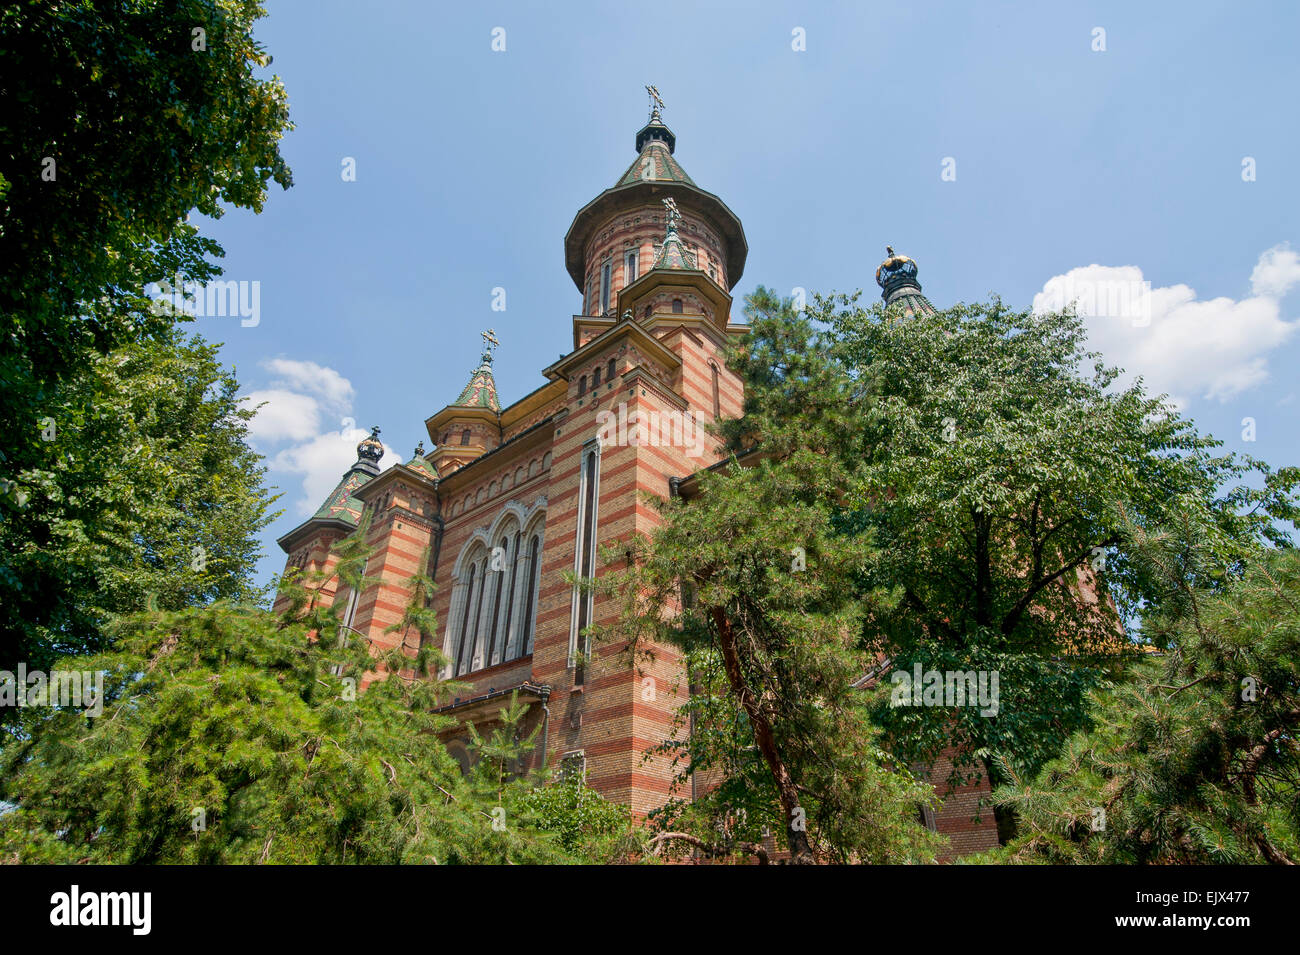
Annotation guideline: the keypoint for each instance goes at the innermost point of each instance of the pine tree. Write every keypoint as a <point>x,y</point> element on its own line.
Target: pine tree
<point>1193,758</point>
<point>232,735</point>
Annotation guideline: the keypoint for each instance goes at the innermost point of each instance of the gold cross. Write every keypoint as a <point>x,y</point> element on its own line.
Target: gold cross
<point>490,340</point>
<point>656,101</point>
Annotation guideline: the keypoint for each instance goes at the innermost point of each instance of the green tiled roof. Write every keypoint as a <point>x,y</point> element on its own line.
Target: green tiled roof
<point>673,255</point>
<point>481,392</point>
<point>654,164</point>
<point>418,463</point>
<point>341,505</point>
<point>911,303</point>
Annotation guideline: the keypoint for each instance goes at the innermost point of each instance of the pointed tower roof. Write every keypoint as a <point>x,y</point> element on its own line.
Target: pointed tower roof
<point>340,505</point>
<point>899,287</point>
<point>654,175</point>
<point>654,162</point>
<point>672,253</point>
<point>481,392</point>
<point>418,463</point>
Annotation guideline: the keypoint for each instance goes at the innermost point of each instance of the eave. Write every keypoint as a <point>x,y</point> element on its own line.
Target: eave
<point>632,329</point>
<point>650,192</point>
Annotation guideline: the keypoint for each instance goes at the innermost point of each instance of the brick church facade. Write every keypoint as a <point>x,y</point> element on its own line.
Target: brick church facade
<point>510,498</point>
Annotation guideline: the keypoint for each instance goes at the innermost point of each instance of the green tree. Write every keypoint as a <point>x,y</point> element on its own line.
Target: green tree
<point>966,483</point>
<point>1193,758</point>
<point>232,735</point>
<point>146,494</point>
<point>752,578</point>
<point>120,120</point>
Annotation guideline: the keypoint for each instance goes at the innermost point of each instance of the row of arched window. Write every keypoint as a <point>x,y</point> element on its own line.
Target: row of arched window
<point>494,597</point>
<point>611,369</point>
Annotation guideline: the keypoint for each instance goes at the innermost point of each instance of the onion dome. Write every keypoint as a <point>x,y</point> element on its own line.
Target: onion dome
<point>896,277</point>
<point>341,505</point>
<point>371,449</point>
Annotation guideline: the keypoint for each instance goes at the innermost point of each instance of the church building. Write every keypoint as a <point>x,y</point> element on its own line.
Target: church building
<point>510,498</point>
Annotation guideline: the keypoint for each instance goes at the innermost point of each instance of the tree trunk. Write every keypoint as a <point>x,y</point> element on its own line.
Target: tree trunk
<point>795,818</point>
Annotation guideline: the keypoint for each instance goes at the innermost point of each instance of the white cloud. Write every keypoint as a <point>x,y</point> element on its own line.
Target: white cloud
<point>1181,346</point>
<point>307,377</point>
<point>283,415</point>
<point>1277,271</point>
<point>319,462</point>
<point>304,398</point>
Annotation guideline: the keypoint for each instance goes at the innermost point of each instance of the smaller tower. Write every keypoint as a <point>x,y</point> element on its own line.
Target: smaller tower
<point>308,545</point>
<point>470,426</point>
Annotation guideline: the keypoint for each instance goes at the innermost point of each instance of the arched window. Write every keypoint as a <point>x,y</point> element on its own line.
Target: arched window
<point>677,306</point>
<point>610,371</point>
<point>606,273</point>
<point>465,648</point>
<point>464,437</point>
<point>527,621</point>
<point>582,386</point>
<point>511,586</point>
<point>498,568</point>
<point>629,267</point>
<point>595,377</point>
<point>647,310</point>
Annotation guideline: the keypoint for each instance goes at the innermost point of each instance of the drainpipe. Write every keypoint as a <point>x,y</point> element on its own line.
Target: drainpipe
<point>546,723</point>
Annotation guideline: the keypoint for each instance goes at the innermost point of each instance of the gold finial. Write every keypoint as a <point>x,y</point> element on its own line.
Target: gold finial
<point>489,343</point>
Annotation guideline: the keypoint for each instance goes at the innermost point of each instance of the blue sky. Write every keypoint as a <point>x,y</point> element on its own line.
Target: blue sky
<point>470,165</point>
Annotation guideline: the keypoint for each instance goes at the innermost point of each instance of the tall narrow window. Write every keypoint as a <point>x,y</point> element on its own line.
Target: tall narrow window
<point>585,559</point>
<point>464,437</point>
<point>510,598</point>
<point>500,574</point>
<point>677,306</point>
<point>606,271</point>
<point>610,371</point>
<point>530,596</point>
<point>717,400</point>
<point>629,268</point>
<point>464,649</point>
<point>595,377</point>
<point>477,617</point>
<point>582,386</point>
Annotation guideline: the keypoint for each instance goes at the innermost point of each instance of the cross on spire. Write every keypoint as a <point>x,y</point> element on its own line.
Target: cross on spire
<point>674,216</point>
<point>489,343</point>
<point>656,101</point>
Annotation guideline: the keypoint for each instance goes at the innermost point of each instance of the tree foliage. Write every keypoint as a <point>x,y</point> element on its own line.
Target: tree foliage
<point>971,487</point>
<point>749,577</point>
<point>146,495</point>
<point>120,121</point>
<point>232,735</point>
<point>1194,756</point>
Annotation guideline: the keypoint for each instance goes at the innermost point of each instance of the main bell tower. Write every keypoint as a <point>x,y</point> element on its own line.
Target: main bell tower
<point>622,235</point>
